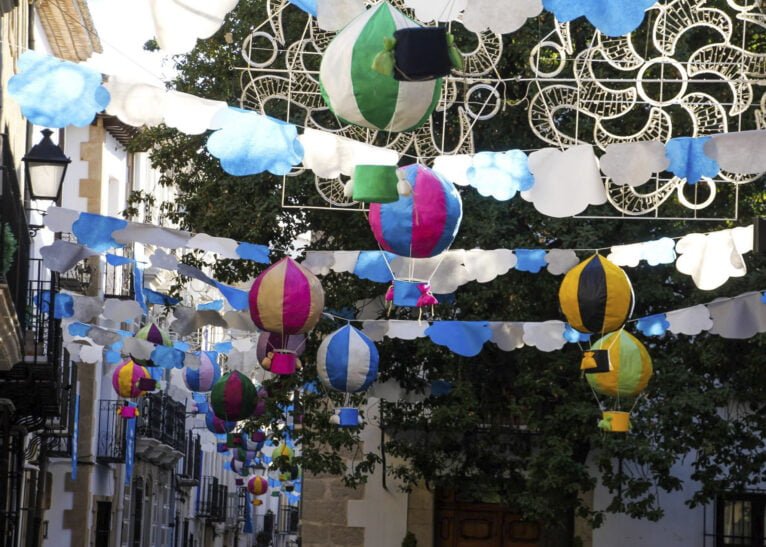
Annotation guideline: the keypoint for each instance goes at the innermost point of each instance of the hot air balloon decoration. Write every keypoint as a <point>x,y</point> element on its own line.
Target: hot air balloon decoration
<point>216,425</point>
<point>596,296</point>
<point>347,361</point>
<point>269,343</point>
<point>233,397</point>
<point>126,378</point>
<point>631,369</point>
<point>203,378</point>
<point>286,299</point>
<point>283,452</point>
<point>155,335</point>
<point>422,223</point>
<point>258,485</point>
<point>359,95</point>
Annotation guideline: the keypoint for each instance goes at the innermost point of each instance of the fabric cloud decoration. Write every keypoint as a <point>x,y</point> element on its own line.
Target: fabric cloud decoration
<point>739,152</point>
<point>711,259</point>
<point>56,93</point>
<point>442,11</point>
<point>688,160</point>
<point>500,16</point>
<point>465,338</point>
<point>178,25</point>
<point>565,182</point>
<point>633,163</point>
<point>500,174</point>
<point>613,18</point>
<point>661,251</point>
<point>249,143</point>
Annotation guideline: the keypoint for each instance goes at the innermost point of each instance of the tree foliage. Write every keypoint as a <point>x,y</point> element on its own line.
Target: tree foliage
<point>519,427</point>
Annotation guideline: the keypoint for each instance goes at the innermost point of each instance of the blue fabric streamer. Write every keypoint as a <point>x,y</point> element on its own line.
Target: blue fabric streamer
<point>611,17</point>
<point>688,160</point>
<point>112,357</point>
<point>465,338</point>
<point>254,252</point>
<point>154,297</point>
<point>574,336</point>
<point>237,298</point>
<point>215,305</point>
<point>372,265</point>
<point>653,325</point>
<point>117,260</point>
<point>182,346</point>
<point>130,449</point>
<point>63,306</point>
<point>95,231</point>
<point>223,347</point>
<point>530,260</point>
<point>166,357</point>
<point>79,329</point>
<point>309,6</point>
<point>138,288</point>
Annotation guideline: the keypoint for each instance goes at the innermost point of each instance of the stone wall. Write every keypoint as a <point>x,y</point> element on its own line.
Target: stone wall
<point>324,522</point>
<point>420,515</point>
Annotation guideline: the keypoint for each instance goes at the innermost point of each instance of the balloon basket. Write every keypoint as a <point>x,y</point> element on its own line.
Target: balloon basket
<point>283,364</point>
<point>348,416</point>
<point>619,421</point>
<point>407,293</point>
<point>375,184</point>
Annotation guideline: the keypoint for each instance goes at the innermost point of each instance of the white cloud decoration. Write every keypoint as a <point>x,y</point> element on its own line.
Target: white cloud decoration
<point>178,25</point>
<point>741,152</point>
<point>546,336</point>
<point>566,183</point>
<point>500,16</point>
<point>690,321</point>
<point>633,163</point>
<point>661,251</point>
<point>711,259</point>
<point>442,11</point>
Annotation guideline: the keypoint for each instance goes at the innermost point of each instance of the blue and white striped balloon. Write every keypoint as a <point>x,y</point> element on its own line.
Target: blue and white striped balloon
<point>347,360</point>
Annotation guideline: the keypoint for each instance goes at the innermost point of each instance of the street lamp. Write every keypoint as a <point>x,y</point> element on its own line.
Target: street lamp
<point>45,166</point>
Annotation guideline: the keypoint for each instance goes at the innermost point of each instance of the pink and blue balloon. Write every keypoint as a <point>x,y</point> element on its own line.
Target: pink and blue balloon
<point>423,223</point>
<point>203,378</point>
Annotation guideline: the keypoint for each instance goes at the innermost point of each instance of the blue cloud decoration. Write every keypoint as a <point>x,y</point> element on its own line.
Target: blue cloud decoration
<point>688,160</point>
<point>56,93</point>
<point>249,143</point>
<point>610,17</point>
<point>500,174</point>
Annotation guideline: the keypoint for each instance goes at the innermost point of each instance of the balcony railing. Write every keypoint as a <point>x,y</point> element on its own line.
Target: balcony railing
<point>164,419</point>
<point>235,512</point>
<point>190,469</point>
<point>212,499</point>
<point>15,241</point>
<point>111,433</point>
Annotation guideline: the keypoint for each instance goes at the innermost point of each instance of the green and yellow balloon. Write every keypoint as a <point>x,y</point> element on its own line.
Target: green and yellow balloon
<point>359,95</point>
<point>629,374</point>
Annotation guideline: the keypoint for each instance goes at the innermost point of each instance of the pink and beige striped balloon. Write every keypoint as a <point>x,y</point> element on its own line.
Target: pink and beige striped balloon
<point>286,299</point>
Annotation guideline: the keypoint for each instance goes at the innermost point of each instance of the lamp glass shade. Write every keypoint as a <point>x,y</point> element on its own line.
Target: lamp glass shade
<point>46,167</point>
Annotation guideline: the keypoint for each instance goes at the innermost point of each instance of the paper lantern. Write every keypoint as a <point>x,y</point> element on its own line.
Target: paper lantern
<point>152,333</point>
<point>631,366</point>
<point>423,223</point>
<point>258,485</point>
<point>202,379</point>
<point>596,296</point>
<point>217,425</point>
<point>358,94</point>
<point>375,184</point>
<point>233,396</point>
<point>347,360</point>
<point>126,377</point>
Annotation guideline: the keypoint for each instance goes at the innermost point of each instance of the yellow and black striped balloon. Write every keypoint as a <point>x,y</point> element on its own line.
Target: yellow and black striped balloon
<point>596,296</point>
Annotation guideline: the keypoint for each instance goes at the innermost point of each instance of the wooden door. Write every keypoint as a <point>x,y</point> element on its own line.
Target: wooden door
<point>460,523</point>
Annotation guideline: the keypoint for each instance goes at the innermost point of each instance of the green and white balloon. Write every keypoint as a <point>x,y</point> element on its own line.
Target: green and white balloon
<point>361,96</point>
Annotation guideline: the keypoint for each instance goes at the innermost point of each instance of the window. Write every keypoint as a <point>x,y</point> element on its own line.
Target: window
<point>740,520</point>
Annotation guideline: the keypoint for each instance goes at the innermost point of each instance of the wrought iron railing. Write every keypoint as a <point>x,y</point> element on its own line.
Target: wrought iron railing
<point>164,419</point>
<point>110,443</point>
<point>212,499</point>
<point>15,241</point>
<point>190,468</point>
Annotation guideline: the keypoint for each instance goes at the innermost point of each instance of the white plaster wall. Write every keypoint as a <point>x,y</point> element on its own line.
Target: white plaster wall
<point>680,527</point>
<point>382,513</point>
<point>114,179</point>
<point>77,170</point>
<point>61,501</point>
